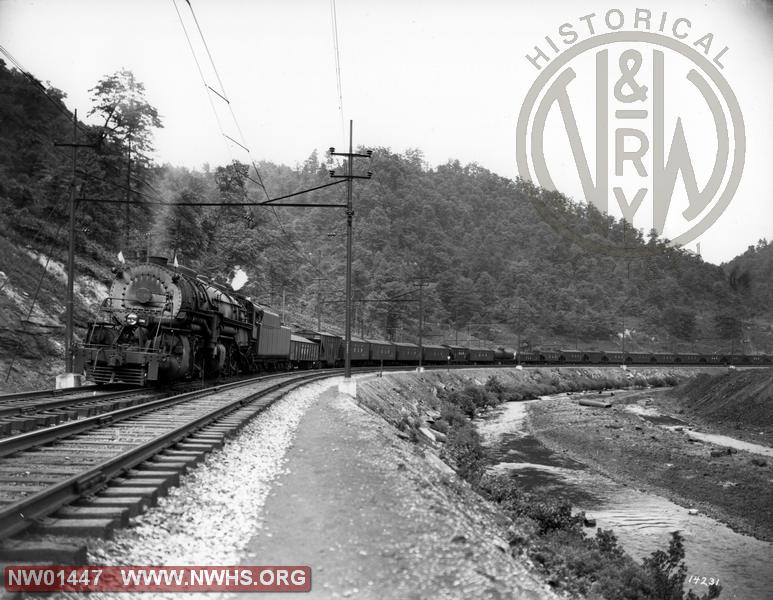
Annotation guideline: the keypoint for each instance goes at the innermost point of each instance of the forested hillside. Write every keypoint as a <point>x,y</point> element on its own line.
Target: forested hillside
<point>494,269</point>
<point>751,275</point>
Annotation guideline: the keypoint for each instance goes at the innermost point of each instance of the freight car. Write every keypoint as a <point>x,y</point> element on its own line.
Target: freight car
<point>331,346</point>
<point>552,357</point>
<point>304,353</point>
<point>162,323</point>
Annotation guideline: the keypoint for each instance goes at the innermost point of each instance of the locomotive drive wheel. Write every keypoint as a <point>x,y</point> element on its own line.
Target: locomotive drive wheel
<point>178,350</point>
<point>231,366</point>
<point>252,364</point>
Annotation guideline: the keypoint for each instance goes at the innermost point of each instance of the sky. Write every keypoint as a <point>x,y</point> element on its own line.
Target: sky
<point>448,77</point>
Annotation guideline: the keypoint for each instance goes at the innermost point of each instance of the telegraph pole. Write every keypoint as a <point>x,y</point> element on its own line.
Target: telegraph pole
<point>518,338</point>
<point>350,177</point>
<point>127,216</point>
<point>421,285</point>
<point>319,281</point>
<point>71,247</point>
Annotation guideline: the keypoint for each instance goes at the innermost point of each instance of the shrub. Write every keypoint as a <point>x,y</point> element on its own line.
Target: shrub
<point>450,416</point>
<point>505,492</point>
<point>656,381</point>
<point>671,380</point>
<point>464,447</point>
<point>481,397</point>
<point>465,403</point>
<point>496,387</point>
<point>582,565</point>
<point>606,541</point>
<point>554,516</point>
<point>511,393</point>
<point>622,580</point>
<point>667,573</point>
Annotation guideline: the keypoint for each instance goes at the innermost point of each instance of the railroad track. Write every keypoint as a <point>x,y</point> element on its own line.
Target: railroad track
<point>20,415</point>
<point>33,395</point>
<point>27,411</point>
<point>85,476</point>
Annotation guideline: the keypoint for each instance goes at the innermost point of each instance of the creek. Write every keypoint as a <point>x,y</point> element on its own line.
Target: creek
<point>641,521</point>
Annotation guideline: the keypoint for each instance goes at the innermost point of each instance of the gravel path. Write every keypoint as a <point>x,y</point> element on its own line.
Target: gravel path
<point>375,518</point>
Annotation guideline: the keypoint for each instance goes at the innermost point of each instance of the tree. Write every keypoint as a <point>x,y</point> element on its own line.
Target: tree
<point>728,327</point>
<point>668,572</point>
<point>119,99</point>
<point>679,322</point>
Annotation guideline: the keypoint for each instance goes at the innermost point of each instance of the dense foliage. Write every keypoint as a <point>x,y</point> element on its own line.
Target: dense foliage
<point>496,271</point>
<point>751,275</point>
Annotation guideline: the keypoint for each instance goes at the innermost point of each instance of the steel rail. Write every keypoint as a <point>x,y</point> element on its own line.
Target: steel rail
<point>40,437</point>
<point>19,515</point>
<point>63,392</point>
<point>21,409</point>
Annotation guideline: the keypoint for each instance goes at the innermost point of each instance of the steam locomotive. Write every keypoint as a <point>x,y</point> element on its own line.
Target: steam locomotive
<point>163,323</point>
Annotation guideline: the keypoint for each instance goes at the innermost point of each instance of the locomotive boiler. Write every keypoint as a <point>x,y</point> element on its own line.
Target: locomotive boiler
<point>163,323</point>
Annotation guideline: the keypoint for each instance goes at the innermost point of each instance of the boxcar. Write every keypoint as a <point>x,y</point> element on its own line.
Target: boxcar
<point>407,353</point>
<point>435,354</point>
<point>459,354</point>
<point>662,358</point>
<point>359,350</point>
<point>571,356</point>
<point>380,350</point>
<point>480,355</point>
<point>330,346</point>
<point>689,358</point>
<point>273,337</point>
<point>616,358</point>
<point>304,353</point>
<point>547,356</point>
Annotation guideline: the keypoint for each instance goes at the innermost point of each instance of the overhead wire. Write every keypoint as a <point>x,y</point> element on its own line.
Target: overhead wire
<point>201,73</point>
<point>36,82</point>
<point>223,95</point>
<point>225,98</point>
<point>337,55</point>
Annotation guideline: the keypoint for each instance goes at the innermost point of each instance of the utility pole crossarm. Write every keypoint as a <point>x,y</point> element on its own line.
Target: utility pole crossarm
<point>421,284</point>
<point>349,176</point>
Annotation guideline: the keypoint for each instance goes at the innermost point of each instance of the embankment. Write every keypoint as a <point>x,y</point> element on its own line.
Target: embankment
<point>437,409</point>
<point>737,403</point>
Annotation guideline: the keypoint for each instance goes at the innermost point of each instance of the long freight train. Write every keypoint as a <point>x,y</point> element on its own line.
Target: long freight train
<point>162,323</point>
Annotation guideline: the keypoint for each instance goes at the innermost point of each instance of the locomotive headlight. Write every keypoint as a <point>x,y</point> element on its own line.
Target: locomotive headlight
<point>131,319</point>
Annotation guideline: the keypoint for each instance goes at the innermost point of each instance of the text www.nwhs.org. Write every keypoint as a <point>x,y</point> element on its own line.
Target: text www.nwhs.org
<point>20,578</point>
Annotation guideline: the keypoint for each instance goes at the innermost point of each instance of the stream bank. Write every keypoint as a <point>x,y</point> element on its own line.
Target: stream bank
<point>590,478</point>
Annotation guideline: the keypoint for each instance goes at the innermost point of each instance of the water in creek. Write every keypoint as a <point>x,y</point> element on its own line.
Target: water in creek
<point>642,521</point>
